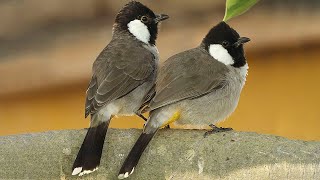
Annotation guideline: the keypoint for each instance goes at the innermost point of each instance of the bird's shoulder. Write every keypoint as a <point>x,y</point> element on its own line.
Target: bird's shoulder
<point>123,55</point>
<point>193,62</point>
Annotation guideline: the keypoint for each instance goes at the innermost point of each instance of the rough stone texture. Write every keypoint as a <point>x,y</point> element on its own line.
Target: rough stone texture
<point>172,154</point>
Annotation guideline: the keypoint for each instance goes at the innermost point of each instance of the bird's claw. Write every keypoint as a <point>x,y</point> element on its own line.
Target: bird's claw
<point>216,129</point>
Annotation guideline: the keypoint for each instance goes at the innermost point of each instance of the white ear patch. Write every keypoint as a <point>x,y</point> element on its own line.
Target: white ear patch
<point>218,52</point>
<point>139,30</point>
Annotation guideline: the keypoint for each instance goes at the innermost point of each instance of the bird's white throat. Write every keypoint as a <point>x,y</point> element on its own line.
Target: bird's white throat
<point>218,52</point>
<point>139,30</point>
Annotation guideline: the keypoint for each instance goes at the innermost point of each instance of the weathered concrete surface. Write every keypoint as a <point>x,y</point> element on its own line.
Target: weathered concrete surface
<point>173,154</point>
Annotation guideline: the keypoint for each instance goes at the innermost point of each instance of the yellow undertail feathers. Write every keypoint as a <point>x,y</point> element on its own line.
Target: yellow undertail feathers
<point>173,118</point>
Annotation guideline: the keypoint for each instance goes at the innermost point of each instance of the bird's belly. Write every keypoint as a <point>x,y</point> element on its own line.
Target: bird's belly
<point>128,104</point>
<point>207,110</point>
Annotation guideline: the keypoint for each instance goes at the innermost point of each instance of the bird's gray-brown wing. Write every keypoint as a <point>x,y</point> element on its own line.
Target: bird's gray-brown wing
<point>188,75</point>
<point>147,99</point>
<point>117,71</point>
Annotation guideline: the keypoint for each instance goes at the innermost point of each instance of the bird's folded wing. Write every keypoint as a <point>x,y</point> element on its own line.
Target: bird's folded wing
<point>147,99</point>
<point>188,75</point>
<point>117,73</point>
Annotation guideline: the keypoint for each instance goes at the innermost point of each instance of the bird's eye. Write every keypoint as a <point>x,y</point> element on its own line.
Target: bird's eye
<point>225,43</point>
<point>144,19</point>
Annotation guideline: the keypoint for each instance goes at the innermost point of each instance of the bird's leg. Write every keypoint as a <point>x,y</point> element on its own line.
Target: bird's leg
<point>216,129</point>
<point>141,116</point>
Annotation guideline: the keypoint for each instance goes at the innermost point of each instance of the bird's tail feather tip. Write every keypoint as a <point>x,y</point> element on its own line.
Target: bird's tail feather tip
<point>76,171</point>
<point>80,171</point>
<point>125,174</point>
<point>88,171</point>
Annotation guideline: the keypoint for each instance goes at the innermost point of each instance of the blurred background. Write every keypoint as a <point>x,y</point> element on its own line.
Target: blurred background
<point>47,49</point>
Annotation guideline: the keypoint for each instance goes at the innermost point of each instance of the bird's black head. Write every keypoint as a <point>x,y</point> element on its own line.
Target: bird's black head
<point>225,45</point>
<point>140,21</point>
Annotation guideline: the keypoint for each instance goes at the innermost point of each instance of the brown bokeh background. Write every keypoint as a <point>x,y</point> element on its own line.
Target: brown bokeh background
<point>47,49</point>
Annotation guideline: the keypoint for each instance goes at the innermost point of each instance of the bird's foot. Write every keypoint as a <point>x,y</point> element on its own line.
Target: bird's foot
<point>216,129</point>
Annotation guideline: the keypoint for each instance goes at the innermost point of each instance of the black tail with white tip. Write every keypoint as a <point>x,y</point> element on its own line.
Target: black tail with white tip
<point>89,155</point>
<point>134,155</point>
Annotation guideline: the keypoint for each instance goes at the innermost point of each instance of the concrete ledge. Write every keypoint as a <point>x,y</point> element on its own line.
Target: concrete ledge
<point>173,154</point>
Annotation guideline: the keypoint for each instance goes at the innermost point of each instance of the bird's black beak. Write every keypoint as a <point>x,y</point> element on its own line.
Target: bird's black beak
<point>240,41</point>
<point>160,17</point>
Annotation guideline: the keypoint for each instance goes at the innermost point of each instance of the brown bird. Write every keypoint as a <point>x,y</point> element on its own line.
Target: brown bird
<point>122,76</point>
<point>195,88</point>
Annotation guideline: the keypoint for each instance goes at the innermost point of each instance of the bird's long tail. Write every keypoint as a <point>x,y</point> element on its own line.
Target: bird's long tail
<point>134,155</point>
<point>89,155</point>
